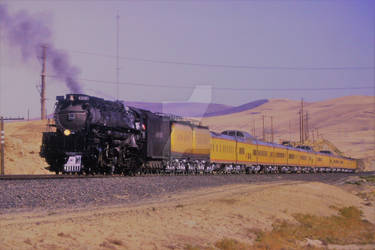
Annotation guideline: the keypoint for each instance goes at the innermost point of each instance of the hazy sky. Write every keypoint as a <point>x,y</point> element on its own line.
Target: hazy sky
<point>235,51</point>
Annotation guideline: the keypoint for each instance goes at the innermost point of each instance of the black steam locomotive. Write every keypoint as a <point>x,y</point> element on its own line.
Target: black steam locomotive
<point>94,135</point>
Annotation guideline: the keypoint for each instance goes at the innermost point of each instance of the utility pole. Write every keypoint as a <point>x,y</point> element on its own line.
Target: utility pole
<point>272,129</point>
<point>313,135</point>
<point>43,113</point>
<point>302,126</point>
<point>254,133</point>
<point>264,135</point>
<point>2,145</point>
<point>290,131</point>
<point>117,55</point>
<point>307,126</point>
<point>2,141</point>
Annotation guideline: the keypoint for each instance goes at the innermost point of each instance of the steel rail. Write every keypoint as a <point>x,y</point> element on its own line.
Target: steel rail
<point>52,176</point>
<point>71,176</point>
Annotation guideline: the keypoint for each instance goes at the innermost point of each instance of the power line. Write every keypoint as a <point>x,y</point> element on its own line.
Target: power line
<point>138,84</point>
<point>291,68</point>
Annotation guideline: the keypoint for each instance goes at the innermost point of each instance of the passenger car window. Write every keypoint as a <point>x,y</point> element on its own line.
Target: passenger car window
<point>240,134</point>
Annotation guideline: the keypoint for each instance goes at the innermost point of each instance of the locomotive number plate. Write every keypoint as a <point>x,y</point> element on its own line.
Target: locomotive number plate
<point>74,164</point>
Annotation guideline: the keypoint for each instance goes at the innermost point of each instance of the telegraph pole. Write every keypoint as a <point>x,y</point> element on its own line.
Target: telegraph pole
<point>313,135</point>
<point>2,145</point>
<point>302,125</point>
<point>272,129</point>
<point>307,126</point>
<point>264,135</point>
<point>2,141</point>
<point>254,128</point>
<point>43,113</point>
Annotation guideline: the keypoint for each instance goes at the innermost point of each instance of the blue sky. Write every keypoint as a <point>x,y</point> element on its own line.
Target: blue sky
<point>286,44</point>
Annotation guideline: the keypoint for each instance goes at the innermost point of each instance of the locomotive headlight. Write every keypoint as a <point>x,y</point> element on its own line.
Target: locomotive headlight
<point>67,132</point>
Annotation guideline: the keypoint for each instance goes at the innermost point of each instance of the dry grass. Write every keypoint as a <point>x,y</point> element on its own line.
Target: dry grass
<point>228,244</point>
<point>224,244</point>
<point>346,228</point>
<point>370,179</point>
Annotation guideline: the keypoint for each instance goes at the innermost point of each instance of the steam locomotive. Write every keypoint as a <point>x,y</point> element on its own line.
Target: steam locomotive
<point>93,135</point>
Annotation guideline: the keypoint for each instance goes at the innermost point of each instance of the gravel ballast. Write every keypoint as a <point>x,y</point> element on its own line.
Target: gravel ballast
<point>51,194</point>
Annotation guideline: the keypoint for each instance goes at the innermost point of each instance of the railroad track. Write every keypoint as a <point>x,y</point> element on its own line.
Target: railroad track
<point>52,176</point>
<point>71,176</point>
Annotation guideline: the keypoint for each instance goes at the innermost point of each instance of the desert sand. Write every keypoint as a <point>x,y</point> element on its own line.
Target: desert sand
<point>22,147</point>
<point>193,218</point>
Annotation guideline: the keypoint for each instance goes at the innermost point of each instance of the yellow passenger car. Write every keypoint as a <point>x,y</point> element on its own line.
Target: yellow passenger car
<point>303,158</point>
<point>336,162</point>
<point>245,153</point>
<point>280,155</point>
<point>264,153</point>
<point>201,142</point>
<point>293,157</point>
<point>322,160</point>
<point>223,149</point>
<point>351,163</point>
<point>181,140</point>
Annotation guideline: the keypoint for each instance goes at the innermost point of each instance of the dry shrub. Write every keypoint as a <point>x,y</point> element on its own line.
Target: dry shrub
<point>107,245</point>
<point>228,201</point>
<point>28,241</point>
<point>190,247</point>
<point>113,244</point>
<point>231,244</point>
<point>61,234</point>
<point>116,242</point>
<point>346,228</point>
<point>370,178</point>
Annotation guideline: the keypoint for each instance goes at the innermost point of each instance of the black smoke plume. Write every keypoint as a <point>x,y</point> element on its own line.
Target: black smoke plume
<point>28,34</point>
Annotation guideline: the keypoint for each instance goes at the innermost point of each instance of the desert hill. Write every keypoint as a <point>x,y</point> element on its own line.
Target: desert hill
<point>194,109</point>
<point>347,122</point>
<point>185,109</point>
<point>22,146</point>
